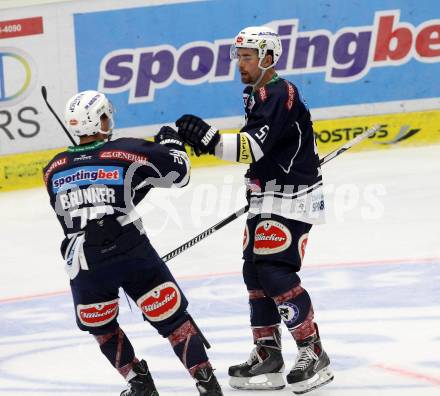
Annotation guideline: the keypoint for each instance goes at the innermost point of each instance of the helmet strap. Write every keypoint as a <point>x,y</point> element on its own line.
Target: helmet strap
<point>260,78</point>
<point>263,71</point>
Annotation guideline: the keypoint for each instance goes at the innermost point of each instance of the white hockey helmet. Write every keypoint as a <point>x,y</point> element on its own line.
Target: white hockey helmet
<point>261,38</point>
<point>84,111</point>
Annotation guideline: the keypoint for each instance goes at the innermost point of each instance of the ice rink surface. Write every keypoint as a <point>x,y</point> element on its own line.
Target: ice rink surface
<point>373,271</point>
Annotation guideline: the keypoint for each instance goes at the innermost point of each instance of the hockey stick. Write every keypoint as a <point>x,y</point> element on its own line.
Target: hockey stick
<point>205,233</point>
<point>44,94</point>
<point>243,210</point>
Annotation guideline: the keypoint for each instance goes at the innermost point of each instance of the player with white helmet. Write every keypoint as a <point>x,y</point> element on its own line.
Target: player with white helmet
<point>265,41</point>
<point>285,198</point>
<point>94,188</point>
<point>85,113</point>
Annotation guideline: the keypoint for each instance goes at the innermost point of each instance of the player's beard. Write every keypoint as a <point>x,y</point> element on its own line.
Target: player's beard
<point>246,78</point>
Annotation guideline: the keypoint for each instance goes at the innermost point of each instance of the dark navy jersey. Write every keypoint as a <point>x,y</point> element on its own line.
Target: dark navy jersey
<point>280,131</point>
<point>278,143</point>
<point>90,181</point>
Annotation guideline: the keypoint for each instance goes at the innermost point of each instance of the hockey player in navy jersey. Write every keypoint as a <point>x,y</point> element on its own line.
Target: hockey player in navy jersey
<point>94,188</point>
<point>285,197</point>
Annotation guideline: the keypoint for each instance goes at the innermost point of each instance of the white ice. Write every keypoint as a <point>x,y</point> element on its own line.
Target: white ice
<point>373,271</point>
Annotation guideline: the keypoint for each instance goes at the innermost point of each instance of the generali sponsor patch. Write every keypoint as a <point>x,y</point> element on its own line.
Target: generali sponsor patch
<point>123,155</point>
<point>161,302</point>
<point>290,96</point>
<point>271,237</point>
<point>262,92</point>
<point>55,164</point>
<point>94,315</point>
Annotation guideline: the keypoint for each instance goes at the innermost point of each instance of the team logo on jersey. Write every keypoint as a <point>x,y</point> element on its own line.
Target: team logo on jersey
<point>123,155</point>
<point>302,243</point>
<point>94,315</point>
<point>271,237</point>
<point>251,103</point>
<point>161,302</point>
<point>245,99</point>
<point>289,313</point>
<point>246,237</point>
<point>86,175</point>
<point>82,157</point>
<point>55,164</point>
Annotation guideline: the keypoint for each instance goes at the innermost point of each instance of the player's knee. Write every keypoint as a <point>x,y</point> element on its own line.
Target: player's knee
<point>294,307</point>
<point>164,307</point>
<point>99,318</point>
<point>250,275</point>
<point>276,278</point>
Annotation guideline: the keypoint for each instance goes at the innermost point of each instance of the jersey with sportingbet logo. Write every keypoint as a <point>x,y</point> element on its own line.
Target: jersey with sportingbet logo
<point>90,181</point>
<point>279,144</point>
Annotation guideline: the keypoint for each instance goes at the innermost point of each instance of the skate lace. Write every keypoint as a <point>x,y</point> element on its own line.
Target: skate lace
<point>305,355</point>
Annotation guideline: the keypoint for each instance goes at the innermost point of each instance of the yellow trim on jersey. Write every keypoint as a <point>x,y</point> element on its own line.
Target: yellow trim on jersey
<point>245,151</point>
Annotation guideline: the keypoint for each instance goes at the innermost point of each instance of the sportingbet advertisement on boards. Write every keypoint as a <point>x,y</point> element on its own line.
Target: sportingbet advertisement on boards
<point>356,64</point>
<point>161,61</point>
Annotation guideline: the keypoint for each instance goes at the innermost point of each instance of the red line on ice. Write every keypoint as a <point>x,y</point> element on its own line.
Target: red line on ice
<point>233,273</point>
<point>408,373</point>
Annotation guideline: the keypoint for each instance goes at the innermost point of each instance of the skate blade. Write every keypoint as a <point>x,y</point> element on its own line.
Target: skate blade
<point>272,381</point>
<point>321,378</point>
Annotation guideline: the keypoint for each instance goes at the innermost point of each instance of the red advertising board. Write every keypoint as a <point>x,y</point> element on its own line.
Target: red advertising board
<point>21,27</point>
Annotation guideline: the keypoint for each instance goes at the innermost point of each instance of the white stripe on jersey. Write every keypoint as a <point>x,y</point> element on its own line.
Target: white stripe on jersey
<point>297,150</point>
<point>306,205</point>
<point>226,148</point>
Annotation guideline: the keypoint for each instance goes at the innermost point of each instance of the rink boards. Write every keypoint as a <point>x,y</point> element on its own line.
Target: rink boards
<point>24,170</point>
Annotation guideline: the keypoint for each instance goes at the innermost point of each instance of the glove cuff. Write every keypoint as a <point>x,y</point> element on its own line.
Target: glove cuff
<point>213,143</point>
<point>173,143</point>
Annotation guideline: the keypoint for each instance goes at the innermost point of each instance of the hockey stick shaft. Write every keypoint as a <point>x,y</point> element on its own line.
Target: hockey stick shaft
<point>44,94</point>
<point>349,144</point>
<point>244,209</point>
<point>205,234</point>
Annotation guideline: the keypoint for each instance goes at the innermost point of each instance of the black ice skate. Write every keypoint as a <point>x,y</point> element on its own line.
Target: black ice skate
<point>312,367</point>
<point>262,371</point>
<point>207,384</point>
<point>142,384</point>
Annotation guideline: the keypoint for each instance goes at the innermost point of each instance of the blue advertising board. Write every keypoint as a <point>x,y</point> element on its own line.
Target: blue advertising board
<point>159,62</point>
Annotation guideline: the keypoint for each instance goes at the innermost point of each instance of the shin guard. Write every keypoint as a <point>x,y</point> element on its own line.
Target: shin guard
<point>295,308</point>
<point>263,311</point>
<point>118,350</point>
<point>188,346</point>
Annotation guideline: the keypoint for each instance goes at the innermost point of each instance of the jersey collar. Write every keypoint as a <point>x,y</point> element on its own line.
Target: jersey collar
<point>274,79</point>
<point>85,147</point>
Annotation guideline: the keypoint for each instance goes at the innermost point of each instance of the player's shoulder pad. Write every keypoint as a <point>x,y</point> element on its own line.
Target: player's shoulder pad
<point>282,91</point>
<point>58,161</point>
<point>127,141</point>
<point>126,149</point>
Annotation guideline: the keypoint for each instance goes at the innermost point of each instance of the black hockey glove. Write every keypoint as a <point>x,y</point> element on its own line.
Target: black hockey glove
<point>198,134</point>
<point>170,138</point>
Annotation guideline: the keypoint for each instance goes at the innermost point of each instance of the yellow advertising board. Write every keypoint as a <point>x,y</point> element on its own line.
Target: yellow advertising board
<point>397,130</point>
